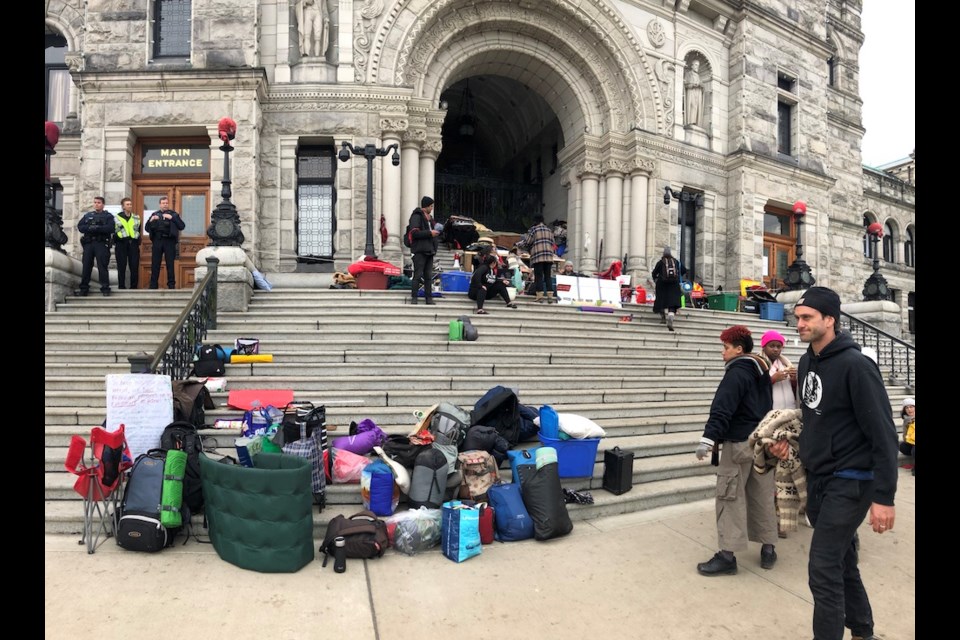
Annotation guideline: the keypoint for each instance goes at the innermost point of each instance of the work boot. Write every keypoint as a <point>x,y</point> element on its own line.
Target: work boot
<point>670,320</point>
<point>768,556</point>
<point>539,297</point>
<point>718,566</point>
<point>550,298</point>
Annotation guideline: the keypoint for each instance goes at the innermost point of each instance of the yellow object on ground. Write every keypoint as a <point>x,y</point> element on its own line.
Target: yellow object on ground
<point>260,357</point>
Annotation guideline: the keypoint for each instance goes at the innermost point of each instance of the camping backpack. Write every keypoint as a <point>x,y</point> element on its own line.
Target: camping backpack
<point>364,533</point>
<point>449,424</point>
<point>671,270</point>
<point>183,436</point>
<point>428,484</point>
<point>190,400</point>
<point>480,472</point>
<point>139,527</point>
<point>210,359</point>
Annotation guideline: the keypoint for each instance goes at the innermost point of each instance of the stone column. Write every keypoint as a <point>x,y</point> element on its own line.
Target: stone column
<point>574,241</point>
<point>589,200</point>
<point>281,72</point>
<point>344,41</point>
<point>392,176</point>
<point>428,164</point>
<point>613,219</point>
<point>637,252</point>
<point>410,176</point>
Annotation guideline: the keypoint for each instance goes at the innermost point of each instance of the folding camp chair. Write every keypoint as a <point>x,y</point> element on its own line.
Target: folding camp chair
<point>99,483</point>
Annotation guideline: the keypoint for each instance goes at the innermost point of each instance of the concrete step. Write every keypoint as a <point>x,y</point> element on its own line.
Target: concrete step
<point>402,395</point>
<point>452,380</point>
<point>66,516</point>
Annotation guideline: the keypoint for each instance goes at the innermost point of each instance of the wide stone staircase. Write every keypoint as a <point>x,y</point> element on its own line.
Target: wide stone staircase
<point>370,354</point>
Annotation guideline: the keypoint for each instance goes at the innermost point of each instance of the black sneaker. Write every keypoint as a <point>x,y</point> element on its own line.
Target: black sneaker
<point>718,566</point>
<point>106,293</point>
<point>83,293</point>
<point>430,301</point>
<point>768,558</point>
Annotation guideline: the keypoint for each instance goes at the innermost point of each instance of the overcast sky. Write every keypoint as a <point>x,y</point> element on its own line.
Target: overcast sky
<point>888,80</point>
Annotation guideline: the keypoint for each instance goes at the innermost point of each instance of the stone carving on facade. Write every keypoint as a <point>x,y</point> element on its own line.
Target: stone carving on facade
<point>74,60</point>
<point>588,167</point>
<point>643,165</point>
<point>398,125</point>
<point>432,147</point>
<point>616,166</point>
<point>656,33</point>
<point>362,39</point>
<point>664,70</point>
<point>313,27</point>
<point>346,107</point>
<point>607,27</point>
<point>693,95</point>
<point>415,135</point>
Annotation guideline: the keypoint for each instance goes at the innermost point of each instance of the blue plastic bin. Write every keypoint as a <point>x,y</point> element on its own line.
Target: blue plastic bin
<point>455,281</point>
<point>575,457</point>
<point>771,311</point>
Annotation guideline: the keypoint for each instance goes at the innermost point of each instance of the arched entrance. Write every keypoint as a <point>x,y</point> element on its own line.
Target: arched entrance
<point>577,78</point>
<point>499,159</point>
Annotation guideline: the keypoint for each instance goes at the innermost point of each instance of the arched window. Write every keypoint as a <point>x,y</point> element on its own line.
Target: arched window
<point>908,257</point>
<point>888,243</point>
<point>57,78</point>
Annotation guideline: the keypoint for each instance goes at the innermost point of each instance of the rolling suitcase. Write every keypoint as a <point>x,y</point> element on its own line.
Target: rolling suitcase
<point>617,470</point>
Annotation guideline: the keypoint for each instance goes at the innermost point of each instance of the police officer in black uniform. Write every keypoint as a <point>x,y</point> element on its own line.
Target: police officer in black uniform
<point>164,227</point>
<point>97,227</point>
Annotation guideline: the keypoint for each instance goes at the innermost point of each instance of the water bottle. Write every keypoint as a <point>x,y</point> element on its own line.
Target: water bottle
<point>339,554</point>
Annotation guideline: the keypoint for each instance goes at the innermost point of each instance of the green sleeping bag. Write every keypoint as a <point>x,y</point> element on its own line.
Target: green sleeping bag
<point>171,498</point>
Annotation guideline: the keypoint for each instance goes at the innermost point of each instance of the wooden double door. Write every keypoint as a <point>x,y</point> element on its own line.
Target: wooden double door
<point>192,202</point>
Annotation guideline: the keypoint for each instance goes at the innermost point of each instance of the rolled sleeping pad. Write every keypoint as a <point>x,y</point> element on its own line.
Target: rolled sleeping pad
<point>171,497</point>
<point>260,357</point>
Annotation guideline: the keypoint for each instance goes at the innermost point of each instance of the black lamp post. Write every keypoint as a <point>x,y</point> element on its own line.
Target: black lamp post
<point>369,151</point>
<point>799,275</point>
<point>224,229</point>
<point>683,196</point>
<point>875,288</point>
<point>53,234</point>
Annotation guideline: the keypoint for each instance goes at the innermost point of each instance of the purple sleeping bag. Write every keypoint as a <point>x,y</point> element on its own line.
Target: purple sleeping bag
<point>367,436</point>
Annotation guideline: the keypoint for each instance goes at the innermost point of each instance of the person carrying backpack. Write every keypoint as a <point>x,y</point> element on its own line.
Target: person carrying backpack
<point>667,273</point>
<point>421,237</point>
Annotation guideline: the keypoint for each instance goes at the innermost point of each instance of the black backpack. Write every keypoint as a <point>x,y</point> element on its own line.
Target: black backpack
<point>671,270</point>
<point>407,240</point>
<point>190,400</point>
<point>210,359</point>
<point>364,533</point>
<point>139,527</point>
<point>183,436</point>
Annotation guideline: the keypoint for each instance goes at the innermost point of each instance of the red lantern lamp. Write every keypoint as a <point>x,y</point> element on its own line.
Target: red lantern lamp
<point>875,229</point>
<point>799,208</point>
<point>228,129</point>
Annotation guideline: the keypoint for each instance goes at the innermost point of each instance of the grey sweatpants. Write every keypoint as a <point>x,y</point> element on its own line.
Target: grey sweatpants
<point>745,500</point>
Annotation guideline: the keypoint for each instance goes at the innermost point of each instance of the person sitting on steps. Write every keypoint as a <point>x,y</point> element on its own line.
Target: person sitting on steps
<point>485,282</point>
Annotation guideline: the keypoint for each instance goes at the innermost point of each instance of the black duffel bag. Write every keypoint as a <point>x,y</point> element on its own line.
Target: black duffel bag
<point>295,413</point>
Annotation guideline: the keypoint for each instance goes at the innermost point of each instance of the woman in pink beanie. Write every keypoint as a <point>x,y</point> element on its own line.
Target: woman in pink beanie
<point>783,377</point>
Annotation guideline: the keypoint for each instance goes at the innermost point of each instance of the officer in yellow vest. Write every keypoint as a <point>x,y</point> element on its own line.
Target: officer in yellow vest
<point>127,242</point>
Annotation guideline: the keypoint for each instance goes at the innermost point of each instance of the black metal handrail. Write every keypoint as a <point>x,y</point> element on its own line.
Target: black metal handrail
<point>174,356</point>
<point>897,358</point>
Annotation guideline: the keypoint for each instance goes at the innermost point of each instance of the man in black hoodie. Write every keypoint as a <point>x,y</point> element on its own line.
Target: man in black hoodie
<point>849,449</point>
<point>745,497</point>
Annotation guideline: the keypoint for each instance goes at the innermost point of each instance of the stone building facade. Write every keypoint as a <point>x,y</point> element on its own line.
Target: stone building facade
<point>500,110</point>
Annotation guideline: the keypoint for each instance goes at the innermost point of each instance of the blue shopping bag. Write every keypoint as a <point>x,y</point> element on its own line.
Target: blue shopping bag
<point>460,529</point>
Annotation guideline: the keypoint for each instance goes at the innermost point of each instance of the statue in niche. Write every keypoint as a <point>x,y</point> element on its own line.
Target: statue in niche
<point>313,24</point>
<point>692,95</point>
